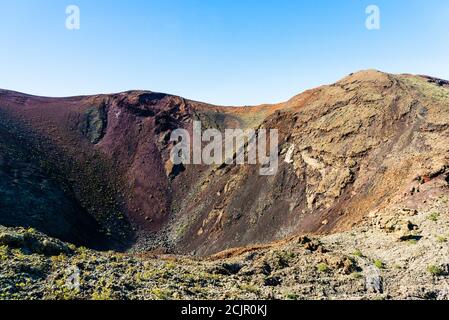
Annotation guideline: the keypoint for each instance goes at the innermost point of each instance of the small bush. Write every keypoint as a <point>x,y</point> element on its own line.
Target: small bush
<point>31,230</point>
<point>322,267</point>
<point>435,270</point>
<point>357,253</point>
<point>18,254</point>
<point>102,295</point>
<point>283,259</point>
<point>434,216</point>
<point>250,288</point>
<point>58,259</point>
<point>379,264</point>
<point>3,253</point>
<point>62,292</point>
<point>161,294</point>
<point>291,296</point>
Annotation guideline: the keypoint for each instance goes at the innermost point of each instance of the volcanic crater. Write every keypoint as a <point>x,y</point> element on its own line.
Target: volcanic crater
<point>96,170</point>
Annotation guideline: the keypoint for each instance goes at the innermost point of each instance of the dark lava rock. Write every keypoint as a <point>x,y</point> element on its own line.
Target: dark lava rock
<point>226,269</point>
<point>272,281</point>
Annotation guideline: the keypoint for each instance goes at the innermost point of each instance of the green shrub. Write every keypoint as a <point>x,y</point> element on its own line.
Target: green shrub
<point>357,253</point>
<point>322,267</point>
<point>103,294</point>
<point>62,292</point>
<point>3,253</point>
<point>161,294</point>
<point>291,296</point>
<point>435,270</point>
<point>250,288</point>
<point>434,216</point>
<point>58,259</point>
<point>18,254</point>
<point>379,264</point>
<point>283,258</point>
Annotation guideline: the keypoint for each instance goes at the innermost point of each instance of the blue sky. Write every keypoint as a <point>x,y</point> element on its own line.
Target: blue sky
<point>229,52</point>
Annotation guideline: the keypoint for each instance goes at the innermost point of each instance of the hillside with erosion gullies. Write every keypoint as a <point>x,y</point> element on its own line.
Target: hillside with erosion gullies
<point>358,208</point>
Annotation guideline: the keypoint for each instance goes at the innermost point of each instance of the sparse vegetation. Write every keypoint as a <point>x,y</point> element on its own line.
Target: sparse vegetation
<point>3,252</point>
<point>250,288</point>
<point>18,254</point>
<point>58,259</point>
<point>358,253</point>
<point>108,275</point>
<point>322,267</point>
<point>102,294</point>
<point>60,291</point>
<point>283,258</point>
<point>435,270</point>
<point>379,264</point>
<point>291,296</point>
<point>434,216</point>
<point>161,294</point>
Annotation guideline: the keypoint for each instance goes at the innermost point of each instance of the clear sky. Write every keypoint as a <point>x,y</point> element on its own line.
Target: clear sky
<point>231,52</point>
